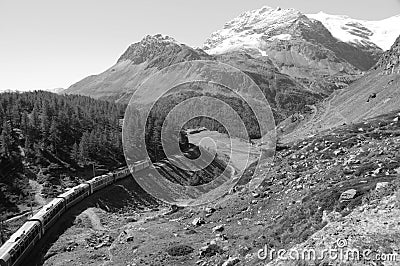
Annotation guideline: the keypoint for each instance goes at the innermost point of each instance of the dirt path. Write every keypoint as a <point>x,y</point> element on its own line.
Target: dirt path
<point>37,190</point>
<point>94,219</point>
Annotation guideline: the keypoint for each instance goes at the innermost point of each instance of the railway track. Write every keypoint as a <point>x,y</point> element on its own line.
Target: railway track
<point>19,245</point>
<point>116,197</point>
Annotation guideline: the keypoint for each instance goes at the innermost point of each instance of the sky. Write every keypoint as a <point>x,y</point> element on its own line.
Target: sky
<point>46,44</point>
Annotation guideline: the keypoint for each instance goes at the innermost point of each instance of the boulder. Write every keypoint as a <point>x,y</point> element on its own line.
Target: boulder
<point>218,228</point>
<point>348,194</point>
<point>381,185</point>
<point>198,221</point>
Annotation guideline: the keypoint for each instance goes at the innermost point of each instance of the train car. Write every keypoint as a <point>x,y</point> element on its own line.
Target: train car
<point>122,173</point>
<point>49,213</point>
<point>14,250</point>
<point>140,165</point>
<point>75,194</point>
<point>21,242</point>
<point>117,174</point>
<point>98,182</point>
<point>109,178</point>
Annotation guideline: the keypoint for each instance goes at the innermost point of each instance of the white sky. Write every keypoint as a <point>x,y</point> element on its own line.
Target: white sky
<point>48,44</point>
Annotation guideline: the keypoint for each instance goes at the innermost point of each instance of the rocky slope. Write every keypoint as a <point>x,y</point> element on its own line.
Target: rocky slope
<point>300,204</point>
<point>390,61</point>
<point>374,94</point>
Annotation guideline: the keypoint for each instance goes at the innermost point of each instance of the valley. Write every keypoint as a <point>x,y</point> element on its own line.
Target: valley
<point>280,131</point>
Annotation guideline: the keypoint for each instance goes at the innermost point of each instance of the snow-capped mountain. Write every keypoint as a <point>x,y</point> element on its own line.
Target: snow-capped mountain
<point>262,30</point>
<point>252,29</point>
<point>380,33</point>
<point>299,46</point>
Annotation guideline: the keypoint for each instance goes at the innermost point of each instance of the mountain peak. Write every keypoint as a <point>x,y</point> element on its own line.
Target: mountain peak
<point>149,47</point>
<point>160,51</point>
<point>158,38</point>
<point>251,28</point>
<point>262,16</point>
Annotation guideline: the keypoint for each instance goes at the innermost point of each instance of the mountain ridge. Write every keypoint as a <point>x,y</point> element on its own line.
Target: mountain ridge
<point>363,33</point>
<point>301,51</point>
<point>259,29</point>
<point>374,94</point>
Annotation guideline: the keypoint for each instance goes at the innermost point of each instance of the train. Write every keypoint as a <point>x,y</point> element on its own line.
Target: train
<point>14,250</point>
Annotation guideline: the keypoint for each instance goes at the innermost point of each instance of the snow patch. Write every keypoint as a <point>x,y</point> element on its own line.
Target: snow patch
<point>284,37</point>
<point>381,33</point>
<point>251,29</point>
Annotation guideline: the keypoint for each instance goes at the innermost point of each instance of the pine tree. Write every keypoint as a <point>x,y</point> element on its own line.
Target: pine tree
<point>25,123</point>
<point>84,148</point>
<point>75,155</point>
<point>15,116</point>
<point>4,151</point>
<point>54,134</point>
<point>5,139</point>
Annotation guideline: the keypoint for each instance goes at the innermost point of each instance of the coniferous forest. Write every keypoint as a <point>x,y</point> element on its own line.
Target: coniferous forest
<point>45,135</point>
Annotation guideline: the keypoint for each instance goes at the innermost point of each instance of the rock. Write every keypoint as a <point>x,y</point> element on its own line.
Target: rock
<point>173,209</point>
<point>179,250</point>
<point>130,219</point>
<point>348,194</point>
<point>221,237</point>
<point>198,221</point>
<point>218,228</point>
<point>129,239</point>
<point>376,171</point>
<point>231,261</point>
<point>397,170</point>
<point>209,210</point>
<point>256,195</point>
<point>99,246</point>
<point>381,185</point>
<point>337,152</point>
<point>210,250</point>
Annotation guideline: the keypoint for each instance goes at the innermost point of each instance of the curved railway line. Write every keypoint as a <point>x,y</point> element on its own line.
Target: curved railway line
<point>33,233</point>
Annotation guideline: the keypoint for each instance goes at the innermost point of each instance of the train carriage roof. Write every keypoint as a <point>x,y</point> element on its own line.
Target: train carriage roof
<point>47,207</point>
<point>72,190</point>
<point>15,238</point>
